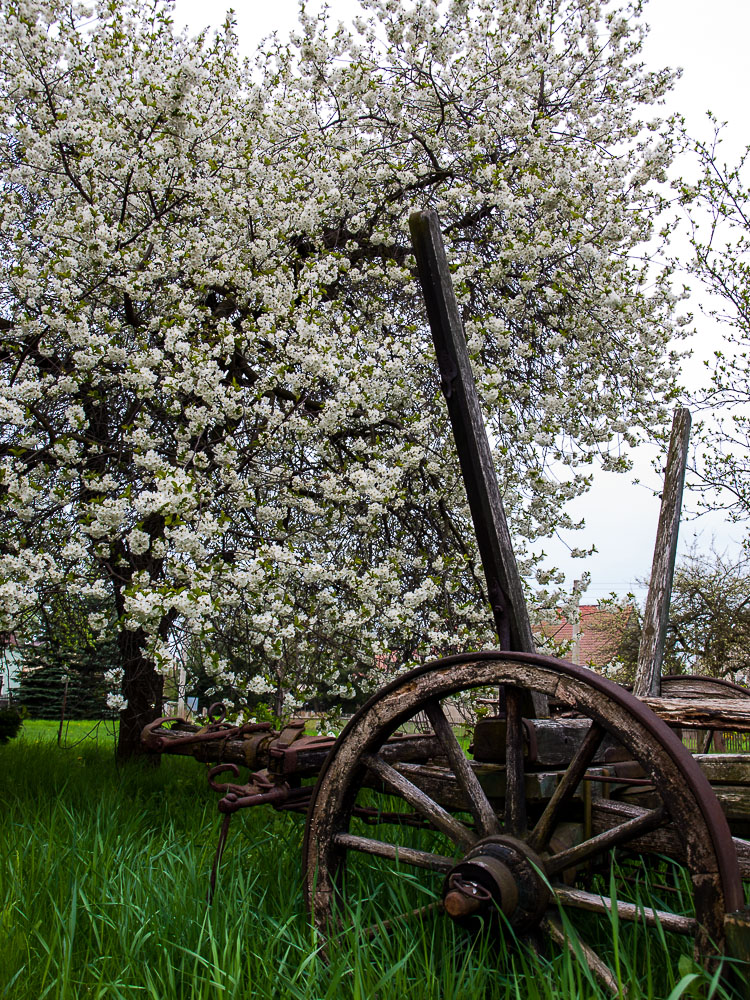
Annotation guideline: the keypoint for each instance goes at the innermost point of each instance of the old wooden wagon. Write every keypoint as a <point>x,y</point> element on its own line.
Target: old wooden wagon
<point>511,821</point>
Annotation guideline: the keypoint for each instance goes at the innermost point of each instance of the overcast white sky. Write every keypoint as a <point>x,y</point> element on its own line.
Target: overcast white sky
<point>708,39</point>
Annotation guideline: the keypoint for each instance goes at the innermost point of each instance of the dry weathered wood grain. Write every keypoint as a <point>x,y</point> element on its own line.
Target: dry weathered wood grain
<point>725,768</point>
<point>505,589</point>
<point>547,742</point>
<point>713,713</point>
<point>656,613</point>
<point>698,686</point>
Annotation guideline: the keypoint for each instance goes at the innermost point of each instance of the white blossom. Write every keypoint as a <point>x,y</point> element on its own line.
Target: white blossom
<point>218,391</point>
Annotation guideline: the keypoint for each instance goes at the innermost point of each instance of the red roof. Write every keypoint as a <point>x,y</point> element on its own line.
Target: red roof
<point>600,633</point>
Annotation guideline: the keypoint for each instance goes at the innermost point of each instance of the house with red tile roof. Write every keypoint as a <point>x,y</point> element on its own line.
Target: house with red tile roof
<point>594,636</point>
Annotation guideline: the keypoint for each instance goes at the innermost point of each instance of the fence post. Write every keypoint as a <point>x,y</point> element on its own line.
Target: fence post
<point>655,618</point>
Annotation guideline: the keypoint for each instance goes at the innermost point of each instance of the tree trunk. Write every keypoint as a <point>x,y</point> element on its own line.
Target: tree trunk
<point>278,701</point>
<point>143,687</point>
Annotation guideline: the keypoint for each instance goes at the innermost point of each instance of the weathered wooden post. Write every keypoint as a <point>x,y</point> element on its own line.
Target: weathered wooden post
<point>655,618</point>
<point>504,587</point>
<point>493,537</point>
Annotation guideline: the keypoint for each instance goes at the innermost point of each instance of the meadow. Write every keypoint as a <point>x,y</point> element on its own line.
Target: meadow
<point>103,879</point>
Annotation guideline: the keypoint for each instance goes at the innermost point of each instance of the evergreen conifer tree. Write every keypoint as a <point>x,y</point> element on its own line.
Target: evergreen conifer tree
<point>64,648</point>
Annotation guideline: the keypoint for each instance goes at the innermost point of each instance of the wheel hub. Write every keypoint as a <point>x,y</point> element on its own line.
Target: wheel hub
<point>498,874</point>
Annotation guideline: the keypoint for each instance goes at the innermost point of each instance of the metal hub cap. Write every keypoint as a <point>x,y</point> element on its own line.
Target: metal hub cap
<point>499,873</point>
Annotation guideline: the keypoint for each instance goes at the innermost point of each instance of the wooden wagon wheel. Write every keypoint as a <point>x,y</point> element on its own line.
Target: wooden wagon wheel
<point>495,861</point>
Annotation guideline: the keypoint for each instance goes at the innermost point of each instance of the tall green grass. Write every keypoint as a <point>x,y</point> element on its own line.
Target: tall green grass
<point>103,878</point>
<point>75,732</point>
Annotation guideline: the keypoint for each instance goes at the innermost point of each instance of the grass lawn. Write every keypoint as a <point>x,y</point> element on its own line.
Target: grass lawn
<point>103,878</point>
<point>74,731</point>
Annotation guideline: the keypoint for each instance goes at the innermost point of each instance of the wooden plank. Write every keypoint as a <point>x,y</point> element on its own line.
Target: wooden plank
<point>734,801</point>
<point>656,614</point>
<point>441,785</point>
<point>699,686</point>
<point>504,586</point>
<point>566,787</point>
<point>742,847</point>
<point>713,713</point>
<point>547,742</point>
<point>606,813</point>
<point>615,836</point>
<point>725,768</point>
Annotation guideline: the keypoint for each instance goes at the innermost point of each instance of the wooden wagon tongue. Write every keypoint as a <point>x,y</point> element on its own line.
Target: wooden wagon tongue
<point>504,585</point>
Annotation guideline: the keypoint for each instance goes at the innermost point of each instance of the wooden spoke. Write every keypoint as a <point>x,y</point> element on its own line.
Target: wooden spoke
<point>479,805</point>
<point>515,792</point>
<point>427,807</point>
<point>568,783</point>
<point>386,926</point>
<point>581,900</point>
<point>603,974</point>
<point>409,855</point>
<point>436,786</point>
<point>606,840</point>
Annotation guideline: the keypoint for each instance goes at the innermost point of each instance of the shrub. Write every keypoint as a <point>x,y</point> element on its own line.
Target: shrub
<point>10,724</point>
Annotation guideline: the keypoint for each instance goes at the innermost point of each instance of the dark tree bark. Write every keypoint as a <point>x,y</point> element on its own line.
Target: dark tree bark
<point>143,687</point>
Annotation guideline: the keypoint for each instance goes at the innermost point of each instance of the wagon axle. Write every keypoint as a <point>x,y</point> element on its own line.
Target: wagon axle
<point>501,874</point>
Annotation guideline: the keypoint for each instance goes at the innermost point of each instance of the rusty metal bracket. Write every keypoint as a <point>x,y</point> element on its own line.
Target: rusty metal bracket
<point>219,730</point>
<point>254,743</point>
<point>291,732</point>
<point>285,756</point>
<point>277,796</point>
<point>262,788</point>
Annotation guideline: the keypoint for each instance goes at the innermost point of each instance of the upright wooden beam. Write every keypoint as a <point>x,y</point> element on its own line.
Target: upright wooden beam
<point>653,637</point>
<point>490,524</point>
